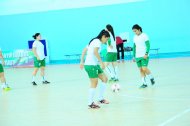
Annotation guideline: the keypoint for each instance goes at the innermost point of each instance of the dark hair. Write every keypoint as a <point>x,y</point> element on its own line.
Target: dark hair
<point>136,26</point>
<point>102,33</point>
<point>110,29</point>
<point>36,35</point>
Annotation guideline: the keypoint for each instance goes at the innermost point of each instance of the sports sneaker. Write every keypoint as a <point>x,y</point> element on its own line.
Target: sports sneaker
<point>7,88</point>
<point>112,80</point>
<point>152,81</point>
<point>45,82</point>
<point>94,106</point>
<point>34,83</point>
<point>103,101</point>
<point>143,86</point>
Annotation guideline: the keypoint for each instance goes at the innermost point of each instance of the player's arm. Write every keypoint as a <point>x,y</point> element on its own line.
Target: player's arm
<point>35,53</point>
<point>82,58</point>
<point>134,50</point>
<point>147,43</point>
<point>1,57</point>
<point>83,55</point>
<point>98,57</point>
<point>109,43</point>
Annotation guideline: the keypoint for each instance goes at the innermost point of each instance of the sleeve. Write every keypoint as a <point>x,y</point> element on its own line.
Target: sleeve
<point>86,46</point>
<point>134,50</point>
<point>147,46</point>
<point>146,37</point>
<point>109,41</point>
<point>97,44</point>
<point>119,40</point>
<point>147,43</point>
<point>34,45</point>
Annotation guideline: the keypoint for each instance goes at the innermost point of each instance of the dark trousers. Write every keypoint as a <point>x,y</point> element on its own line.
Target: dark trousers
<point>120,49</point>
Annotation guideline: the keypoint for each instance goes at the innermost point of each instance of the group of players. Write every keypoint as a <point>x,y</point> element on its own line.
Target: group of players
<point>93,63</point>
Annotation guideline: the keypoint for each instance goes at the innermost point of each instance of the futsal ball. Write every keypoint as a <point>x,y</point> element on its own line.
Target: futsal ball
<point>115,87</point>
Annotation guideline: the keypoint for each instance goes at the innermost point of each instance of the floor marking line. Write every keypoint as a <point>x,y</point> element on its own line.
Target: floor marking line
<point>175,117</point>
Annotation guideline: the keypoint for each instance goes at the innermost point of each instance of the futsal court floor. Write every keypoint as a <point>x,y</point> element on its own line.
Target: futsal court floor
<point>64,101</point>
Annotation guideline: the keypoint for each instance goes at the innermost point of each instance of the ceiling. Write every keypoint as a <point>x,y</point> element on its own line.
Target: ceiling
<point>8,7</point>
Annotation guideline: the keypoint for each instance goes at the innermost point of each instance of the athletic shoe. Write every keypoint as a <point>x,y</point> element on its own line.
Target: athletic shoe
<point>143,86</point>
<point>7,88</point>
<point>94,106</point>
<point>34,83</point>
<point>45,82</point>
<point>112,80</point>
<point>152,81</point>
<point>103,101</point>
<point>116,80</point>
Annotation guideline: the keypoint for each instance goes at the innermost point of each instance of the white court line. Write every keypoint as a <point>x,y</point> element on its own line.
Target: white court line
<point>175,117</point>
<point>172,118</point>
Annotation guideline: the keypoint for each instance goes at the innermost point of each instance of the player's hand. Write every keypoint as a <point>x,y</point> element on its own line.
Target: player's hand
<point>134,60</point>
<point>38,58</point>
<point>3,63</point>
<point>145,56</point>
<point>102,65</point>
<point>111,47</point>
<point>81,66</point>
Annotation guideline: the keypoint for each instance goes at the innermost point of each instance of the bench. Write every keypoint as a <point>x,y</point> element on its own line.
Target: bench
<point>156,50</point>
<point>153,49</point>
<point>76,57</point>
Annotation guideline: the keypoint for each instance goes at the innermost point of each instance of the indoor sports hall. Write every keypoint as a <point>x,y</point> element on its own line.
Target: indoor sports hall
<point>49,50</point>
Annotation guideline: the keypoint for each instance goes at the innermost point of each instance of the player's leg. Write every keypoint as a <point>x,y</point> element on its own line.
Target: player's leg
<point>142,73</point>
<point>122,52</point>
<point>35,71</point>
<point>147,71</point>
<point>109,68</point>
<point>115,66</point>
<point>42,68</point>
<point>102,86</point>
<point>3,81</point>
<point>93,75</point>
<point>118,53</point>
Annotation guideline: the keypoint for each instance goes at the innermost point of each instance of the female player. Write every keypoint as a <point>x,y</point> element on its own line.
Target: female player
<point>140,53</point>
<point>39,59</point>
<point>2,76</point>
<point>93,65</point>
<point>111,57</point>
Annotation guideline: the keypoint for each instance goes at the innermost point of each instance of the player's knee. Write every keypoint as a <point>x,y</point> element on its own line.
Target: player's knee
<point>144,69</point>
<point>141,70</point>
<point>105,80</point>
<point>42,69</point>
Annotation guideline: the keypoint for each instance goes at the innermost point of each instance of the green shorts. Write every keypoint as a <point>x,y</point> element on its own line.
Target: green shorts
<point>93,71</point>
<point>1,68</point>
<point>39,63</point>
<point>141,62</point>
<point>111,57</point>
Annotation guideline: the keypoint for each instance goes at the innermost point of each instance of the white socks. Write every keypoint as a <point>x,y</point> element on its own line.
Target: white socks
<point>102,89</point>
<point>4,85</point>
<point>110,71</point>
<point>150,76</point>
<point>33,78</point>
<point>113,71</point>
<point>144,80</point>
<point>43,78</point>
<point>91,96</point>
<point>116,72</point>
